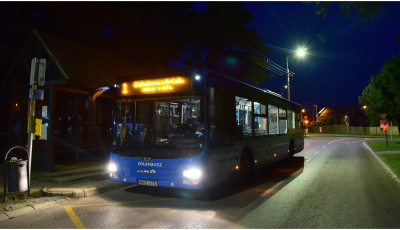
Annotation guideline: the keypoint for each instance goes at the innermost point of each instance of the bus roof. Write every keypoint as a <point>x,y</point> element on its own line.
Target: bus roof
<point>193,72</point>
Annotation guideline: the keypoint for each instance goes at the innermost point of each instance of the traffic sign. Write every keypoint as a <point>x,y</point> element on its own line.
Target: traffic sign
<point>384,125</point>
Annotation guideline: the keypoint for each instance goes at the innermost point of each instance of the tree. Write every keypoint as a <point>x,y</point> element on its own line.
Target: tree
<point>366,10</point>
<point>154,33</point>
<point>223,41</point>
<point>382,95</point>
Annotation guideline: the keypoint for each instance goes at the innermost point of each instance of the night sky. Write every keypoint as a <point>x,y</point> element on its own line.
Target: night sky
<point>342,53</point>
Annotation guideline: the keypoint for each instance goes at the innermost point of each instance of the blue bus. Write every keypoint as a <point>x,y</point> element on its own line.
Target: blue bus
<point>193,130</point>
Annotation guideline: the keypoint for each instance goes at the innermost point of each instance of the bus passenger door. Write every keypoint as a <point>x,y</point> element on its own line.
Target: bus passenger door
<point>221,118</point>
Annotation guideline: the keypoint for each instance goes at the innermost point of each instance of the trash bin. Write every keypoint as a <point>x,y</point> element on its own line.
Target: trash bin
<point>17,175</point>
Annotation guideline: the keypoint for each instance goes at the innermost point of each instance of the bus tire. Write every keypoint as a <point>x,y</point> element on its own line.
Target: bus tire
<point>246,165</point>
<point>291,149</point>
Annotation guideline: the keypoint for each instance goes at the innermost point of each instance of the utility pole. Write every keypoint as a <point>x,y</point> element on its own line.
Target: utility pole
<point>37,77</point>
<point>287,79</point>
<point>316,112</point>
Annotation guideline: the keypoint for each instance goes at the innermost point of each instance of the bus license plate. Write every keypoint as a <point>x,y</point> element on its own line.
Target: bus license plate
<point>152,183</point>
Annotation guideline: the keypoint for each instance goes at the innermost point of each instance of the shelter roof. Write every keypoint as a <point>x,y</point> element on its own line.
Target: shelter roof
<point>70,62</point>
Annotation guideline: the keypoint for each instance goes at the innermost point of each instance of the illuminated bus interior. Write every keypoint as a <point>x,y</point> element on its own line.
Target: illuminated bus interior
<point>170,124</point>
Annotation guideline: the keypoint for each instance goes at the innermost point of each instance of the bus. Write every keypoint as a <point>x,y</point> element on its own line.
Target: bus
<point>194,130</point>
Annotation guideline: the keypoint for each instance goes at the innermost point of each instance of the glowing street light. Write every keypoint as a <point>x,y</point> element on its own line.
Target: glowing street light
<point>301,52</point>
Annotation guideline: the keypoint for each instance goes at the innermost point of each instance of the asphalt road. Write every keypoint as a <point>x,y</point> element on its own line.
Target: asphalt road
<point>332,183</point>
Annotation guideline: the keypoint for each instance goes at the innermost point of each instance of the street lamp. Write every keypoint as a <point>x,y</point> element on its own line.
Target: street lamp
<point>316,112</point>
<point>301,52</point>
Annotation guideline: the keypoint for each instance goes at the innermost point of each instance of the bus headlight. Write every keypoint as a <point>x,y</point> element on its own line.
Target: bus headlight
<point>112,167</point>
<point>192,173</point>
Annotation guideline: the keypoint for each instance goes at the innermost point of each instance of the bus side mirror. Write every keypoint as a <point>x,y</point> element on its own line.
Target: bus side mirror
<point>91,99</point>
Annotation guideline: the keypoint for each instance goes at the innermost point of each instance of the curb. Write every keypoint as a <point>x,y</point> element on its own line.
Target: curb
<point>74,193</point>
<point>81,193</point>
<point>392,175</point>
<point>6,215</point>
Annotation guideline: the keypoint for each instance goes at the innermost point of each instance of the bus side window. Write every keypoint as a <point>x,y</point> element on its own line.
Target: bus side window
<point>244,114</point>
<point>273,119</point>
<point>260,119</point>
<point>298,121</point>
<point>291,119</point>
<point>282,121</point>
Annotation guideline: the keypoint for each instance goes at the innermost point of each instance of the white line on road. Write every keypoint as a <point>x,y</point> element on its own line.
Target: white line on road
<point>387,169</point>
<point>333,141</point>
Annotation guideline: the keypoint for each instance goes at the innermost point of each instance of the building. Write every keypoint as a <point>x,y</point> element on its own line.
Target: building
<point>69,133</point>
<point>336,115</point>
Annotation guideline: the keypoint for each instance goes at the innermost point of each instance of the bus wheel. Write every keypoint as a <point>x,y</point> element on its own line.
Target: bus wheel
<point>291,149</point>
<point>246,166</point>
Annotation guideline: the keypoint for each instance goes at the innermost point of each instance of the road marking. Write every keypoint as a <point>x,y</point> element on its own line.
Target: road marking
<point>78,223</point>
<point>74,217</point>
<point>316,152</point>
<point>333,141</point>
<point>324,147</point>
<point>393,175</point>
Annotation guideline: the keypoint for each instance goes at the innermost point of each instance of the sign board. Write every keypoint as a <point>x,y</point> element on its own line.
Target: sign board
<point>39,94</point>
<point>38,66</point>
<point>42,72</point>
<point>347,120</point>
<point>33,71</point>
<point>155,86</point>
<point>38,127</point>
<point>384,125</point>
<point>43,135</point>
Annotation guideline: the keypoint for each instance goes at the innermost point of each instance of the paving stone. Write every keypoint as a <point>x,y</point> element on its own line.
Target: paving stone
<point>3,217</point>
<point>44,205</point>
<point>64,200</point>
<point>20,211</point>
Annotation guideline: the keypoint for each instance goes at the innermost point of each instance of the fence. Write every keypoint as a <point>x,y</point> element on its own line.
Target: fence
<point>342,129</point>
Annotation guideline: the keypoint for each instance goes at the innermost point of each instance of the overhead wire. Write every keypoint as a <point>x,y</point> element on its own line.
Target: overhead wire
<point>248,52</point>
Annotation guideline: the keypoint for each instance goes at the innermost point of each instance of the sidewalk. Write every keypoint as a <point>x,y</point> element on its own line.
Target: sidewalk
<point>67,183</point>
<point>70,182</point>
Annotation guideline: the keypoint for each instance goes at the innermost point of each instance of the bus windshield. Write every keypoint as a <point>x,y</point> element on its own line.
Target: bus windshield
<point>158,128</point>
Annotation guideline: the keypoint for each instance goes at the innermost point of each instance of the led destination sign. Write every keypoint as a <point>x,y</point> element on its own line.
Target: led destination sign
<point>154,86</point>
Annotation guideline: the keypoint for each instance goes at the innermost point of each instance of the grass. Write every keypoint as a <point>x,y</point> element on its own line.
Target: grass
<point>380,145</point>
<point>393,161</point>
<point>21,197</point>
<point>352,134</point>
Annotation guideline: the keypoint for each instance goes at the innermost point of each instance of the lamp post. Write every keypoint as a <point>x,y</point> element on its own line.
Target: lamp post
<point>300,52</point>
<point>316,112</point>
